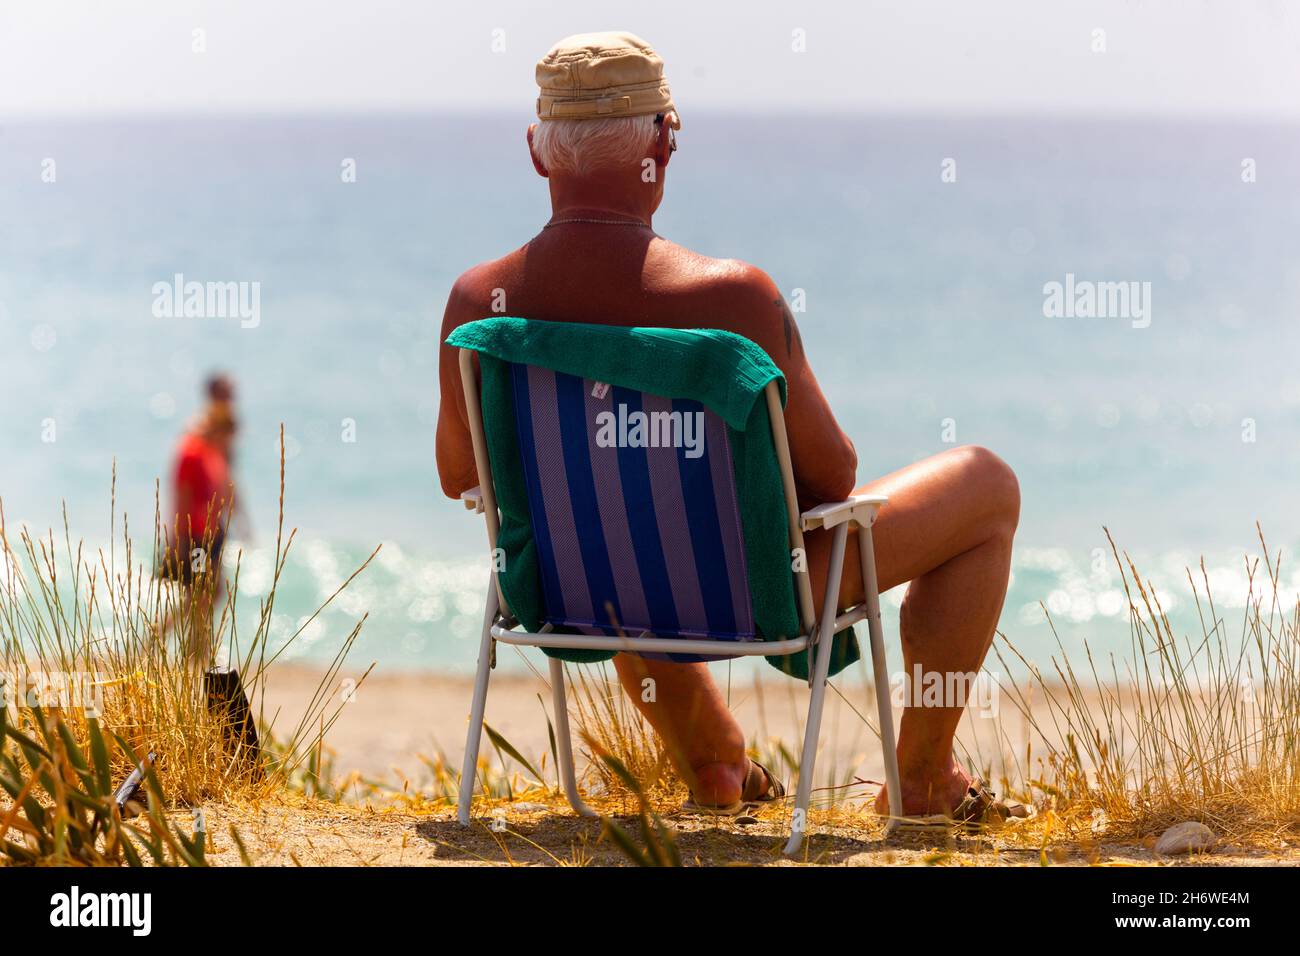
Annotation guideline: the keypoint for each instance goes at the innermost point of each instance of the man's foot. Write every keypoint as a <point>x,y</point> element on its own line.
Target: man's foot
<point>724,784</point>
<point>924,795</point>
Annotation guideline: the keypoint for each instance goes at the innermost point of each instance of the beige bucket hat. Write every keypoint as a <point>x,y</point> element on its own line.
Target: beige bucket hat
<point>602,76</point>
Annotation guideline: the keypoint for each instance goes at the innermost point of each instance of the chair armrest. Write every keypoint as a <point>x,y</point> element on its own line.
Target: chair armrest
<point>473,500</point>
<point>860,509</point>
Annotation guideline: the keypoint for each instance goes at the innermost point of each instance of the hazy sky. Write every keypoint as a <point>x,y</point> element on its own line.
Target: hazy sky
<point>1179,56</point>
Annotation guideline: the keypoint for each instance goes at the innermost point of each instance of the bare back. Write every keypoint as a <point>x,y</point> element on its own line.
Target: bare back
<point>627,276</point>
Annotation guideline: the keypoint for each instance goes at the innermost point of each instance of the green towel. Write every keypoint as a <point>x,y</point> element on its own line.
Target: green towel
<point>723,371</point>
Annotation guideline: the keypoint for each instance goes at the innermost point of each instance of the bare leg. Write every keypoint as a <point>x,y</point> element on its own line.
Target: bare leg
<point>947,529</point>
<point>690,715</point>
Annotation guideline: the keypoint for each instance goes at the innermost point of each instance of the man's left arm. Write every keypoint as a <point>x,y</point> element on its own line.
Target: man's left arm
<point>824,459</point>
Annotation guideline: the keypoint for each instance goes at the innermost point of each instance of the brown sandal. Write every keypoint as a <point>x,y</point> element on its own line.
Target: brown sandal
<point>761,786</point>
<point>981,808</point>
<point>978,810</point>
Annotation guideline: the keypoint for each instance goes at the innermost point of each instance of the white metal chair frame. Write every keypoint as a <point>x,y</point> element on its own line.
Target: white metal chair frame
<point>859,511</point>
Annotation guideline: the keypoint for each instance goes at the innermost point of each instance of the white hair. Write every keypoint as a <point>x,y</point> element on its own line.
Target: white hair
<point>581,146</point>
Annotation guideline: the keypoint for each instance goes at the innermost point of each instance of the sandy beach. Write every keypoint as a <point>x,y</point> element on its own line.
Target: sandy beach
<point>314,834</point>
<point>394,717</point>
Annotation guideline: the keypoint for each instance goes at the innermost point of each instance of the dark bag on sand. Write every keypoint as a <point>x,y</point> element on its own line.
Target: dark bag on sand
<point>228,703</point>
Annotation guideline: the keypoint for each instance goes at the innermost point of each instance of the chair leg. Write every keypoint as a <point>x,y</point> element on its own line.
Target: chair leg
<point>469,766</point>
<point>821,666</point>
<point>564,742</point>
<point>884,710</point>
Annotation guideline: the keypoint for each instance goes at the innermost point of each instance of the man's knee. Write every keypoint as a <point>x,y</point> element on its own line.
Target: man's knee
<point>998,484</point>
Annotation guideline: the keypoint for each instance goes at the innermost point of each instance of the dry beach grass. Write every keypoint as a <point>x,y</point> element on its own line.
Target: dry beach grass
<point>1110,751</point>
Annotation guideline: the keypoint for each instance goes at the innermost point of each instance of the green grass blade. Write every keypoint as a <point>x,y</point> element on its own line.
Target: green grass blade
<point>502,744</point>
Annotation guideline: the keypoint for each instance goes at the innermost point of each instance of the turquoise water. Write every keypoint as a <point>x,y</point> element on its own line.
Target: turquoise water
<point>924,303</point>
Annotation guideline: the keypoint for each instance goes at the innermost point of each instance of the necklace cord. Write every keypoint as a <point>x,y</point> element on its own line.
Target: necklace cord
<point>599,222</point>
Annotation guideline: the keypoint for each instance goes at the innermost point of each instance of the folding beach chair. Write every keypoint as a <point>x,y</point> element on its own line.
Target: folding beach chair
<point>642,549</point>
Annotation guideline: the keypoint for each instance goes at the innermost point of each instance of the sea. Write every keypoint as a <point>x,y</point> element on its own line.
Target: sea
<point>922,254</point>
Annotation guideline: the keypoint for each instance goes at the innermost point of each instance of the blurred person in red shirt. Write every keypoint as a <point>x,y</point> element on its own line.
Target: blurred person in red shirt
<point>203,497</point>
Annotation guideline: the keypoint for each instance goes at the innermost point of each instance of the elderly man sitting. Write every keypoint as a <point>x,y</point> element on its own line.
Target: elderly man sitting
<point>603,142</point>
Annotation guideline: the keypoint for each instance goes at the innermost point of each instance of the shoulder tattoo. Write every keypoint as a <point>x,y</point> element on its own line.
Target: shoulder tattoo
<point>792,338</point>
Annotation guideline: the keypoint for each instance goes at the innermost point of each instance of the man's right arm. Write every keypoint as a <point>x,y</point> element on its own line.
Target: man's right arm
<point>455,449</point>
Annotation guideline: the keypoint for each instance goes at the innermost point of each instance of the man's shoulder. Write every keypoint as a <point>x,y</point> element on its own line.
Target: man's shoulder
<point>190,445</point>
<point>480,281</point>
<point>705,274</point>
<point>707,270</point>
<point>479,291</point>
<point>730,294</point>
<point>191,454</point>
